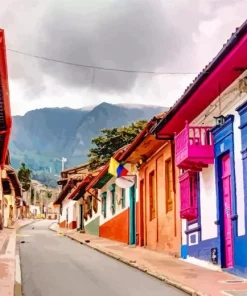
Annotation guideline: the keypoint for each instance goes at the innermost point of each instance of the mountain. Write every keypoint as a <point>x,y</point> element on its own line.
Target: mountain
<point>44,134</point>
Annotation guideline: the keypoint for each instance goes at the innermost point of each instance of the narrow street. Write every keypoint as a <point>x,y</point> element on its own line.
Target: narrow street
<point>55,265</point>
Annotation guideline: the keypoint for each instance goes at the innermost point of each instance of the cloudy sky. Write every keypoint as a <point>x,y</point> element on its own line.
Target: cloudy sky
<point>176,37</point>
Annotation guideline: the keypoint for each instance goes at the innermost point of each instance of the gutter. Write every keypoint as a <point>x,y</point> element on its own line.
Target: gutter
<point>202,76</point>
<point>168,138</point>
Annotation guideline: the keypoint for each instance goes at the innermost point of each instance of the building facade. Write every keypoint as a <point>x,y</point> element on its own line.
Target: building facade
<point>117,209</point>
<point>158,223</point>
<point>209,122</point>
<point>70,180</point>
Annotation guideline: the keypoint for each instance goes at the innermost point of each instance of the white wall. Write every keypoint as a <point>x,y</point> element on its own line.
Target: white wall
<point>119,209</point>
<point>184,236</point>
<point>208,203</point>
<point>71,205</point>
<point>78,213</point>
<point>230,100</point>
<point>239,176</point>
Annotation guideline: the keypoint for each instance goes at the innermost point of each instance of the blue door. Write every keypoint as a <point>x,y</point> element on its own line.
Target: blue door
<point>132,216</point>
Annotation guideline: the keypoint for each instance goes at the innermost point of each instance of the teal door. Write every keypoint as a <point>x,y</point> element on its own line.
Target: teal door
<point>132,216</point>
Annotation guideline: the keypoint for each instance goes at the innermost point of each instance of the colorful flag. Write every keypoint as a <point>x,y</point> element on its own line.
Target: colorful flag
<point>116,169</point>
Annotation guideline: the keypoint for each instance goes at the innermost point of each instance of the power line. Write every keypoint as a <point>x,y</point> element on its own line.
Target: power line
<point>98,67</point>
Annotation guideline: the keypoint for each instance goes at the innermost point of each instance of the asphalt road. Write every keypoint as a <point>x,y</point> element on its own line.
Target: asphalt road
<point>54,265</point>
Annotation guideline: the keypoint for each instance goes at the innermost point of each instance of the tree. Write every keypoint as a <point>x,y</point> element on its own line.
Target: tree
<point>106,145</point>
<point>24,175</point>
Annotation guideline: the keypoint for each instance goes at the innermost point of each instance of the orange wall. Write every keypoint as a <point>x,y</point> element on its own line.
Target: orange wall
<point>117,228</point>
<point>63,224</point>
<point>163,233</point>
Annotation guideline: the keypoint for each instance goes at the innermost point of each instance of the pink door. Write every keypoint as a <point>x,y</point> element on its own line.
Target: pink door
<point>227,207</point>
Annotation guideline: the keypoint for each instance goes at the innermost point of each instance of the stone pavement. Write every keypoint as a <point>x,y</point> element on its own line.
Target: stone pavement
<point>193,279</point>
<point>8,257</point>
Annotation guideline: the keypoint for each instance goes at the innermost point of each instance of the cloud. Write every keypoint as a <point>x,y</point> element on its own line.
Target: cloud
<point>146,35</point>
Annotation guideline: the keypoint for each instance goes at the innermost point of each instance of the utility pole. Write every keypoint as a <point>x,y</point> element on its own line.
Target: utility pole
<point>63,160</point>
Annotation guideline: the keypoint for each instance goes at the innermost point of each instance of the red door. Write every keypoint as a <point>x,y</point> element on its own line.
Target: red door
<point>227,207</point>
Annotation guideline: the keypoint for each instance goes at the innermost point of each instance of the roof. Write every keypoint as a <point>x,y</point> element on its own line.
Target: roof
<point>5,114</point>
<point>80,189</point>
<point>14,180</point>
<point>141,136</point>
<point>7,161</point>
<point>237,39</point>
<point>76,179</point>
<point>65,191</point>
<point>62,181</point>
<point>75,168</point>
<point>103,176</point>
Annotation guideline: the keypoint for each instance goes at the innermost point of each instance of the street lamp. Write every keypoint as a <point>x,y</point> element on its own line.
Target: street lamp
<point>63,160</point>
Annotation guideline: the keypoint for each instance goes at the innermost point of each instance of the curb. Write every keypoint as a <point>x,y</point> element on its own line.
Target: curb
<point>18,282</point>
<point>133,264</point>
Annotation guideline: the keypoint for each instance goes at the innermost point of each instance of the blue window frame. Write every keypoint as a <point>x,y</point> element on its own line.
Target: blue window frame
<point>113,198</point>
<point>103,196</point>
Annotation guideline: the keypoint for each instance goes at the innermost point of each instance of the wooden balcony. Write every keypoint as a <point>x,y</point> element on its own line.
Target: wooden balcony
<point>194,148</point>
<point>188,196</point>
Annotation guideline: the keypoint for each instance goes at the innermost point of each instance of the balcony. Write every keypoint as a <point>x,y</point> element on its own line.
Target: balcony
<point>188,195</point>
<point>194,148</point>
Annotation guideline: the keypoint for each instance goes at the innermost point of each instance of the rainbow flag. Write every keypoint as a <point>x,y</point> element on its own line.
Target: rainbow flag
<point>116,169</point>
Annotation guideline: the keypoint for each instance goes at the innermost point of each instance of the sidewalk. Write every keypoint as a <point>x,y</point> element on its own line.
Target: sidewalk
<point>194,280</point>
<point>8,257</point>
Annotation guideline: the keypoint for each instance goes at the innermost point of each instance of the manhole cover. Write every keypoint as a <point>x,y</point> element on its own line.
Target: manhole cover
<point>236,293</point>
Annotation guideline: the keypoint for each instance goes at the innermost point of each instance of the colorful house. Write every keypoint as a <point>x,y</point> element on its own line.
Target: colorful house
<point>70,179</point>
<point>5,115</point>
<point>158,222</point>
<point>11,191</point>
<point>117,219</point>
<point>210,152</point>
<point>87,206</point>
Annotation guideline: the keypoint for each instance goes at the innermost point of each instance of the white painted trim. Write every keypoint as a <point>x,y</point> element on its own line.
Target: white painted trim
<point>197,239</point>
<point>192,226</point>
<point>202,263</point>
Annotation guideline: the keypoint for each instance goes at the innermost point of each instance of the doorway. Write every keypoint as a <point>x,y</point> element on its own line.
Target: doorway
<point>141,215</point>
<point>81,217</point>
<point>132,216</point>
<point>227,210</point>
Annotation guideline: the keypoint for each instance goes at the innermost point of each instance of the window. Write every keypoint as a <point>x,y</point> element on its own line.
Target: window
<point>113,198</point>
<point>152,195</point>
<point>188,195</point>
<point>113,209</point>
<point>104,195</point>
<point>169,185</point>
<point>123,198</point>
